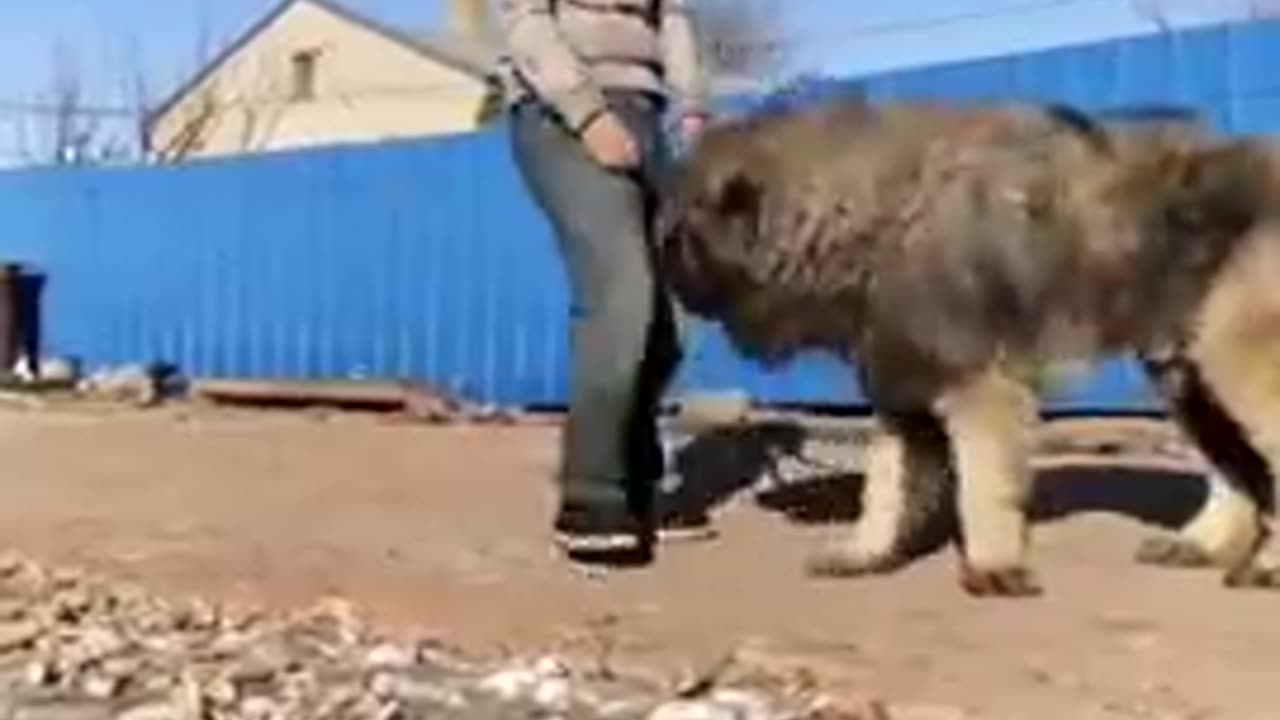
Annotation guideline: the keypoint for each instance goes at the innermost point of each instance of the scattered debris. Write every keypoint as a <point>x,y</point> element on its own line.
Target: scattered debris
<point>86,648</point>
<point>142,385</point>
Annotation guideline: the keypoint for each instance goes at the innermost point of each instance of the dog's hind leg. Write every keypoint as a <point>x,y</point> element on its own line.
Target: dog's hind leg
<point>906,499</point>
<point>1227,527</point>
<point>989,419</point>
<point>1236,352</point>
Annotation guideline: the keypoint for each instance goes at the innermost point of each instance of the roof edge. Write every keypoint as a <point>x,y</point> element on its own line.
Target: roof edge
<point>420,47</point>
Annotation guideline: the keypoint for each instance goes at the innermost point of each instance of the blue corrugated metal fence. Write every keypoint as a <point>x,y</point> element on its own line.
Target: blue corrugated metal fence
<point>426,259</point>
<point>419,259</point>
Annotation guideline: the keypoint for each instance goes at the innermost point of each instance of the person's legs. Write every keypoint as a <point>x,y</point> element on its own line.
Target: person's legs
<point>610,450</point>
<point>676,517</point>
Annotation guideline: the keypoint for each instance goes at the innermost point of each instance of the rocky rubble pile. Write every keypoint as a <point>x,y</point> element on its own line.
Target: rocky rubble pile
<point>74,647</point>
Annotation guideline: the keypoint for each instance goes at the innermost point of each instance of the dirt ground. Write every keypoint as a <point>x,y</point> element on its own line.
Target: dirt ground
<point>444,530</point>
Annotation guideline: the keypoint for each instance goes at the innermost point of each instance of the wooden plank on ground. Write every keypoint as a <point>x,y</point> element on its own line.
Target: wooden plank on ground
<point>364,393</point>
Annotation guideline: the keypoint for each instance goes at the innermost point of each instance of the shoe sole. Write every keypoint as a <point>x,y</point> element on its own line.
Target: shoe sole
<point>613,543</point>
<point>695,534</point>
<point>597,543</point>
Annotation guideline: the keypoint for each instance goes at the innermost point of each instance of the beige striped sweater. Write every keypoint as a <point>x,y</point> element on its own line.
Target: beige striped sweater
<point>569,51</point>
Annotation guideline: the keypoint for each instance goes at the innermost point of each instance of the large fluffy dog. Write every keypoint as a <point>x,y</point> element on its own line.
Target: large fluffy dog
<point>948,251</point>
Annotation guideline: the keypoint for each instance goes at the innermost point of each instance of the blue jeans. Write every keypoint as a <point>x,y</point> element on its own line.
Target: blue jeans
<point>623,334</point>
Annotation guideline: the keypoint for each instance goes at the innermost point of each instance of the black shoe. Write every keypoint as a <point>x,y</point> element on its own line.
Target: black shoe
<point>603,529</point>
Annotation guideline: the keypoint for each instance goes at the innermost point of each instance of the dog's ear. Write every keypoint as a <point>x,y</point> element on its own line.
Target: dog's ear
<point>1223,188</point>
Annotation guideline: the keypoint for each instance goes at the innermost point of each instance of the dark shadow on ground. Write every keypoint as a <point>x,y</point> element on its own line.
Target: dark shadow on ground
<point>1154,496</point>
<point>827,499</point>
<point>718,464</point>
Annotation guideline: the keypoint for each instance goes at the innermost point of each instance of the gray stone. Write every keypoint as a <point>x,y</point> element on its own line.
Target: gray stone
<point>626,709</point>
<point>256,670</point>
<point>92,645</point>
<point>385,686</point>
<point>431,694</point>
<point>692,710</point>
<point>744,705</point>
<point>432,657</point>
<point>222,692</point>
<point>102,687</point>
<point>40,672</point>
<point>553,694</point>
<point>509,684</point>
<point>388,656</point>
<point>260,708</point>
<point>549,667</point>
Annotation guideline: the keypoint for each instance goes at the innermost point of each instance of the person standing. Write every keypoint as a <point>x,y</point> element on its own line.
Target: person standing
<point>591,83</point>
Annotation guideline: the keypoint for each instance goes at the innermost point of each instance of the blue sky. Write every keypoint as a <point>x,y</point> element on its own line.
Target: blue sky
<point>113,41</point>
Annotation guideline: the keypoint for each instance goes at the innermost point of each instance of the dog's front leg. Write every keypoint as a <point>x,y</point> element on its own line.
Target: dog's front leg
<point>989,418</point>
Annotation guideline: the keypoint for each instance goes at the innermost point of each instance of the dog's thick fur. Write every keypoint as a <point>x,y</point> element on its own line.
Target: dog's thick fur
<point>946,250</point>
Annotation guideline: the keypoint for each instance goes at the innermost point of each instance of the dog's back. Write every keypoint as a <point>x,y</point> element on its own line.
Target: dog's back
<point>810,227</point>
<point>979,229</point>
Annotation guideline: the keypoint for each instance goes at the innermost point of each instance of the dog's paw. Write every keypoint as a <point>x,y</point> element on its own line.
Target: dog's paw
<point>1171,552</point>
<point>1253,577</point>
<point>1014,582</point>
<point>848,560</point>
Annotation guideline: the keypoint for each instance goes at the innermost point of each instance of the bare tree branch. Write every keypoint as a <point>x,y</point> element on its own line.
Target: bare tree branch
<point>60,126</point>
<point>72,131</point>
<point>136,95</point>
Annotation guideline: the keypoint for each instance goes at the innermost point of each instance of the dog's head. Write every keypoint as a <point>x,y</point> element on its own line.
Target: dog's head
<point>710,216</point>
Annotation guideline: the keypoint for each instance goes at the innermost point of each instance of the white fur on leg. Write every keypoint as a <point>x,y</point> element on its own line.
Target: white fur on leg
<point>872,544</point>
<point>883,498</point>
<point>1230,525</point>
<point>989,420</point>
<point>1226,527</point>
<point>1235,352</point>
